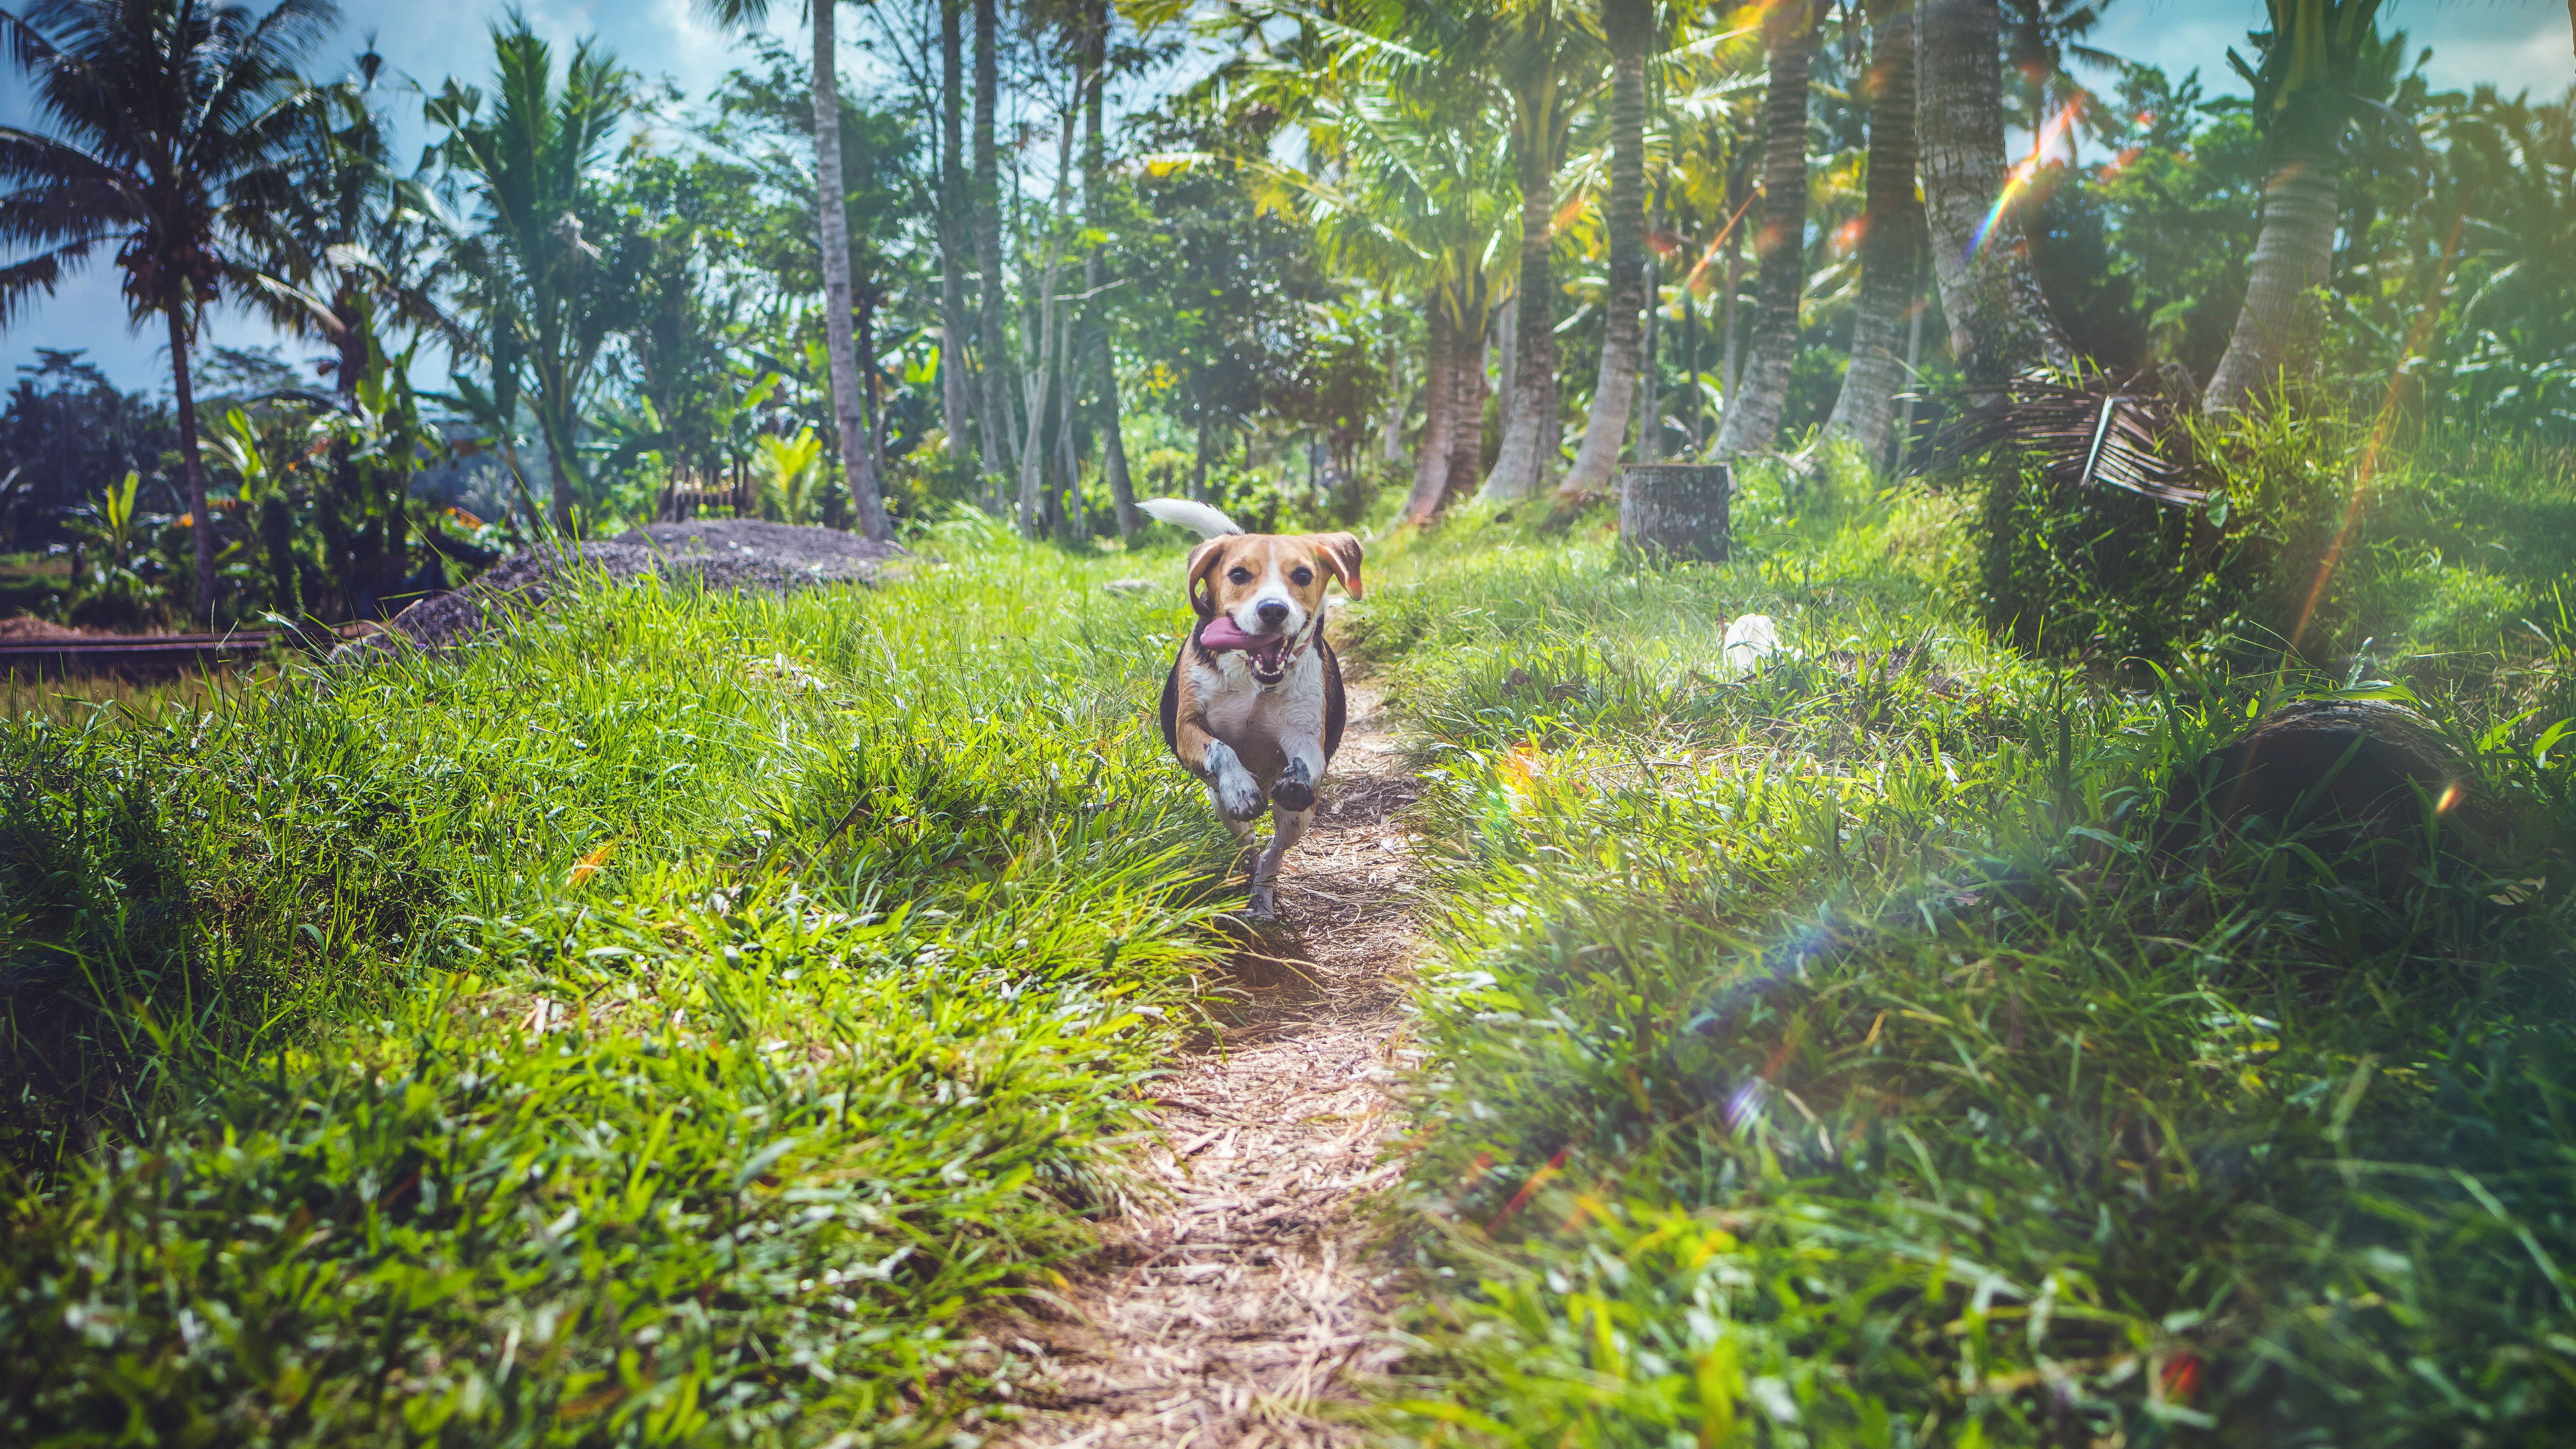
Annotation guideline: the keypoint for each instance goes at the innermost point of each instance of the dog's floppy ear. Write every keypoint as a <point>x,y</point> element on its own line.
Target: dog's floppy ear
<point>1203,562</point>
<point>1340,553</point>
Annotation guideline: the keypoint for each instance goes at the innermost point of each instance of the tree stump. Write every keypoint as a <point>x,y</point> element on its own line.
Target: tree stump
<point>1673,511</point>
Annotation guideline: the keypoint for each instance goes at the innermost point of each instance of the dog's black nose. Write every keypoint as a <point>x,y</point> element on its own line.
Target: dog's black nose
<point>1274,614</point>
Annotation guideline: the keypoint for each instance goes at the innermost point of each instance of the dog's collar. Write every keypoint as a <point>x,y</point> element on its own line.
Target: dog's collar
<point>1314,631</point>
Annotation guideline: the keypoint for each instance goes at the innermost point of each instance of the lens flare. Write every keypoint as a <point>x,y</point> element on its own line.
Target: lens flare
<point>2369,464</point>
<point>2018,180</point>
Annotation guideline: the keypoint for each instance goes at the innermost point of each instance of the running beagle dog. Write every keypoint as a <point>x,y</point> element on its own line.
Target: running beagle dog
<point>1253,706</point>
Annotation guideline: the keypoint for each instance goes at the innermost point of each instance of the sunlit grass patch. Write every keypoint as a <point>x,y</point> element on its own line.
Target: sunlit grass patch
<point>664,1021</point>
<point>1869,1048</point>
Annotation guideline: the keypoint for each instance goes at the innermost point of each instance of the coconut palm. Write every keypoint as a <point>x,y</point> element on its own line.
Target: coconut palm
<point>2309,92</point>
<point>1541,55</point>
<point>1753,409</point>
<point>160,115</point>
<point>1628,29</point>
<point>954,216</point>
<point>992,337</point>
<point>831,193</point>
<point>549,296</point>
<point>348,235</point>
<point>1408,184</point>
<point>1891,246</point>
<point>1999,323</point>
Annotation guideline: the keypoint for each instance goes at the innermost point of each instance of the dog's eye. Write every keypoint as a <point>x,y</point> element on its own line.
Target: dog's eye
<point>1240,576</point>
<point>1301,577</point>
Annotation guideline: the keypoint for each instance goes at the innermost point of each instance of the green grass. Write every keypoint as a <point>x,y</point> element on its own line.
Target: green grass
<point>668,1026</point>
<point>681,1021</point>
<point>1831,1054</point>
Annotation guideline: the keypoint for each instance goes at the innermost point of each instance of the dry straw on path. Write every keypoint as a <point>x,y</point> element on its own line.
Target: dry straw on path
<point>1239,1301</point>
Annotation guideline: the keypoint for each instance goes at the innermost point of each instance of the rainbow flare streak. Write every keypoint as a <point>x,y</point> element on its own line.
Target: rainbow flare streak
<point>2017,180</point>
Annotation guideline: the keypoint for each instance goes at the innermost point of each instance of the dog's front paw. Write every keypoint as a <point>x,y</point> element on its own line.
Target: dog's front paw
<point>1238,795</point>
<point>1296,788</point>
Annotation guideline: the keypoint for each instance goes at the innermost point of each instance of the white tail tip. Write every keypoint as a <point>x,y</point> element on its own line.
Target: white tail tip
<point>1198,518</point>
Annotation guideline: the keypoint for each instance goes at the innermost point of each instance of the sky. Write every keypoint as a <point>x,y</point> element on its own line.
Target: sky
<point>2514,44</point>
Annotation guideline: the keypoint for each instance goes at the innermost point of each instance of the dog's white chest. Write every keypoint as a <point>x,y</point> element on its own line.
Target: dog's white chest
<point>1255,721</point>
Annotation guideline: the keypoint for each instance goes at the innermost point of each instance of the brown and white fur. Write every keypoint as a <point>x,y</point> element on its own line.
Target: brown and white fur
<point>1258,725</point>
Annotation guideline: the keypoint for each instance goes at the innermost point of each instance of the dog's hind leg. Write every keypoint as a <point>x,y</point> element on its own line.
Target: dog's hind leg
<point>1287,828</point>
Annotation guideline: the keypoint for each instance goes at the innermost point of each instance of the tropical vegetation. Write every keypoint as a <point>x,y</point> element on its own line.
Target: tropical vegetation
<point>680,1017</point>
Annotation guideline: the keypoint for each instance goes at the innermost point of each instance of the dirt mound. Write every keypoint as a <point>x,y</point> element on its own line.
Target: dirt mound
<point>748,552</point>
<point>733,555</point>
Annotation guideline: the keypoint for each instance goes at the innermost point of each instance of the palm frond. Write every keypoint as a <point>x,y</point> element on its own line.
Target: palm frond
<point>37,275</point>
<point>2083,434</point>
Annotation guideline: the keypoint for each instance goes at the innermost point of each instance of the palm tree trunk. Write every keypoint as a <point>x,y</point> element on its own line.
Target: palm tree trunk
<point>1650,442</point>
<point>194,463</point>
<point>1730,338</point>
<point>1754,405</point>
<point>1033,450</point>
<point>1913,365</point>
<point>1431,453</point>
<point>1690,362</point>
<point>1530,432</point>
<point>992,337</point>
<point>1468,389</point>
<point>1391,428</point>
<point>864,335</point>
<point>1892,241</point>
<point>1999,323</point>
<point>831,207</point>
<point>2293,254</point>
<point>1606,430</point>
<point>1069,445</point>
<point>1095,181</point>
<point>956,210</point>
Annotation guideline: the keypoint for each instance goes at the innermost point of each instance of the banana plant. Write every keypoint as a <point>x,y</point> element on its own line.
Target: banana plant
<point>262,467</point>
<point>112,529</point>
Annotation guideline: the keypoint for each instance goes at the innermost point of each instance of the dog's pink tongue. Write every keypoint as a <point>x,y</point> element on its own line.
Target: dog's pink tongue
<point>1221,633</point>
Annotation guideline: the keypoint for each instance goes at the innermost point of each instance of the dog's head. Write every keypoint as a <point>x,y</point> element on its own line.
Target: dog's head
<point>1270,588</point>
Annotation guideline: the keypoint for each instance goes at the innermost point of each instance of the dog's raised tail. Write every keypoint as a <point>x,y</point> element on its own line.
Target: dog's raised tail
<point>1198,518</point>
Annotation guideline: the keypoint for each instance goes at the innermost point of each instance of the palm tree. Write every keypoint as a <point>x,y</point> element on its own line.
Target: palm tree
<point>547,293</point>
<point>1999,323</point>
<point>992,338</point>
<point>1536,56</point>
<point>1628,28</point>
<point>955,213</point>
<point>1753,409</point>
<point>346,233</point>
<point>2308,93</point>
<point>1094,38</point>
<point>1891,246</point>
<point>163,113</point>
<point>1409,187</point>
<point>849,417</point>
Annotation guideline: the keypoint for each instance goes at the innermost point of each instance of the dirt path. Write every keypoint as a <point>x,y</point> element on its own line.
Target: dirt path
<point>1242,1306</point>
